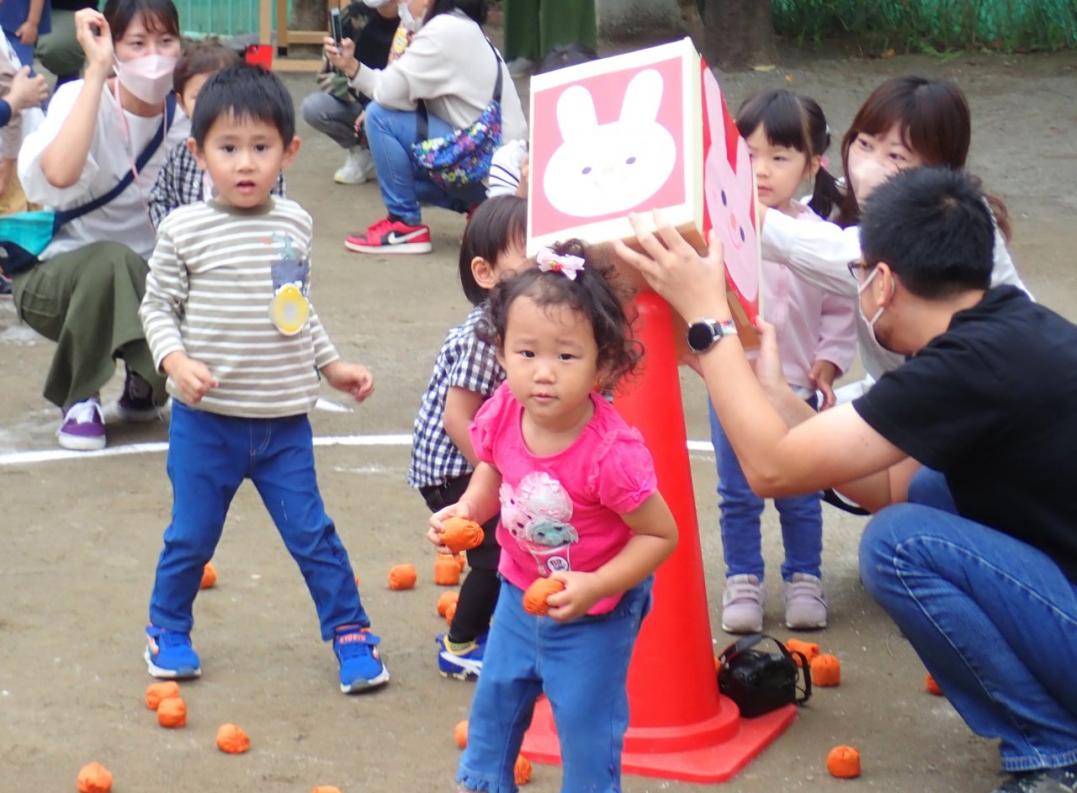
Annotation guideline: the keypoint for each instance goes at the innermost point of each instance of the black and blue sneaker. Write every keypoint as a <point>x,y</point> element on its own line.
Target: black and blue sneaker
<point>464,662</point>
<point>361,668</point>
<point>169,654</point>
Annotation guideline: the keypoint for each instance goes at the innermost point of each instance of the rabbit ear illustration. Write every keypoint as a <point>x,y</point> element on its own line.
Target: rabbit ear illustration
<point>642,97</point>
<point>576,112</point>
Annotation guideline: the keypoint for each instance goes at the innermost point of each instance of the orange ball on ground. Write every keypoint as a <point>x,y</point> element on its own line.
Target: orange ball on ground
<point>209,576</point>
<point>450,612</point>
<point>826,671</point>
<point>536,594</point>
<point>810,649</point>
<point>403,576</point>
<point>460,734</point>
<point>94,778</point>
<point>231,739</point>
<point>325,789</point>
<point>172,712</point>
<point>446,599</point>
<point>461,534</point>
<point>446,571</point>
<point>522,770</point>
<point>158,692</point>
<point>933,686</point>
<point>843,762</point>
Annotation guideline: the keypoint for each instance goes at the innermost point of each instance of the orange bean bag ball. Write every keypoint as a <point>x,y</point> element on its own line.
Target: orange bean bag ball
<point>403,576</point>
<point>522,770</point>
<point>446,571</point>
<point>536,594</point>
<point>461,560</point>
<point>933,686</point>
<point>826,671</point>
<point>156,692</point>
<point>94,778</point>
<point>446,600</point>
<point>460,734</point>
<point>450,612</point>
<point>843,762</point>
<point>325,789</point>
<point>231,739</point>
<point>460,534</point>
<point>172,713</point>
<point>810,649</point>
<point>209,576</point>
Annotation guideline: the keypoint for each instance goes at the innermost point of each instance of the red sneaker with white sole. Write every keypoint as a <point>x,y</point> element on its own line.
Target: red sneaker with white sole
<point>391,236</point>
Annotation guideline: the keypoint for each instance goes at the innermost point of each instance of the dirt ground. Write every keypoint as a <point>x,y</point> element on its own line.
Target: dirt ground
<point>82,532</point>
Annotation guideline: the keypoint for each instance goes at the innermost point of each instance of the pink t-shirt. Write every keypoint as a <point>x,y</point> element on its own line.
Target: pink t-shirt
<point>563,512</point>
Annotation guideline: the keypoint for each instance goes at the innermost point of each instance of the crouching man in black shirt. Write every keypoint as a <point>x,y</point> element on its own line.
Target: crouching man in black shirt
<point>965,453</point>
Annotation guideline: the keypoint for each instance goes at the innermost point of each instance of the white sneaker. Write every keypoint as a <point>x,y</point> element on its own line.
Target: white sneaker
<point>518,67</point>
<point>805,603</point>
<point>358,167</point>
<point>743,602</point>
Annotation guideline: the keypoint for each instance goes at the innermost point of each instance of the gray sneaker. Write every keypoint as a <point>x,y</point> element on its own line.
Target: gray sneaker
<point>743,602</point>
<point>805,603</point>
<point>1046,780</point>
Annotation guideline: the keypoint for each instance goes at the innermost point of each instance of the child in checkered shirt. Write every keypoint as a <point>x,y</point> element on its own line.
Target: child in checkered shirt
<point>466,374</point>
<point>180,181</point>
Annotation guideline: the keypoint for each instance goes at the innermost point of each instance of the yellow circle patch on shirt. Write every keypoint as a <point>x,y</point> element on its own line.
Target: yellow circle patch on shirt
<point>289,310</point>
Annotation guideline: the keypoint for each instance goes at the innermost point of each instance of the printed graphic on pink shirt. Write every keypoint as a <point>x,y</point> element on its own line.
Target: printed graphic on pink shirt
<point>537,515</point>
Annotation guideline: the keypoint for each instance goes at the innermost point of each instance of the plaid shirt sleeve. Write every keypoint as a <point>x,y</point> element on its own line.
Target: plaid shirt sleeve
<point>179,183</point>
<point>476,367</point>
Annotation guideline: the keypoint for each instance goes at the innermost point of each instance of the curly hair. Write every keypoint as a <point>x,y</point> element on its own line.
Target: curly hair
<point>598,293</point>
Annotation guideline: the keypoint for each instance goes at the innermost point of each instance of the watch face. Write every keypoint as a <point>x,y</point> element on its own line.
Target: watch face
<point>700,337</point>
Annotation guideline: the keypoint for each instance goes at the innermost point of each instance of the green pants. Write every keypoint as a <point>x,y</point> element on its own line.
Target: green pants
<point>534,27</point>
<point>87,302</point>
<point>59,51</point>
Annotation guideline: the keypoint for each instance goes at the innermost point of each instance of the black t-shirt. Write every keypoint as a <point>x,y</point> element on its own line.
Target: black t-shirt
<point>372,34</point>
<point>73,5</point>
<point>992,404</point>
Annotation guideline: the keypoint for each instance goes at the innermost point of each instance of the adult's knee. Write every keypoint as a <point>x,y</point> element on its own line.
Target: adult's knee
<point>897,540</point>
<point>106,263</point>
<point>315,107</point>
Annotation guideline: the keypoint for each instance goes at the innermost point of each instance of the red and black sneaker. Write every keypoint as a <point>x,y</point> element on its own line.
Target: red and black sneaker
<point>391,236</point>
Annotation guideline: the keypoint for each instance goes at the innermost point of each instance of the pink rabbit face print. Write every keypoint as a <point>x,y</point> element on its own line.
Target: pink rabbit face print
<point>601,169</point>
<point>729,194</point>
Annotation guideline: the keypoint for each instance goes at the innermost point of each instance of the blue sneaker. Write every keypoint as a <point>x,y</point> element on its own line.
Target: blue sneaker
<point>169,654</point>
<point>463,666</point>
<point>361,668</point>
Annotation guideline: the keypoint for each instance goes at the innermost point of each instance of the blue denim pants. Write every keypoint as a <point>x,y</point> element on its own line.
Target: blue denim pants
<point>405,185</point>
<point>740,509</point>
<point>582,668</point>
<point>993,619</point>
<point>209,456</point>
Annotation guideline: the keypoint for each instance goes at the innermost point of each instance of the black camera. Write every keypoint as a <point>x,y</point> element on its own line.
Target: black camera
<point>759,682</point>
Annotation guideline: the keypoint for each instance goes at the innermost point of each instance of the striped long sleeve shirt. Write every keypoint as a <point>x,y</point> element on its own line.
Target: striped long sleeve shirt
<point>212,277</point>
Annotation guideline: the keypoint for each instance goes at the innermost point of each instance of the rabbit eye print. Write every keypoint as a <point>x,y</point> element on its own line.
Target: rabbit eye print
<point>602,169</point>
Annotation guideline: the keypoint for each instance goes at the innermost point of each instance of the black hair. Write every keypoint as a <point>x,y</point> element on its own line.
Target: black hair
<point>244,91</point>
<point>202,57</point>
<point>566,55</point>
<point>476,9</point>
<point>933,227</point>
<point>795,122</point>
<point>597,292</point>
<point>157,16</point>
<point>496,225</point>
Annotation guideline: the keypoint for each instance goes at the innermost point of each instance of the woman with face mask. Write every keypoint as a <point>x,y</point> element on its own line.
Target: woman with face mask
<point>906,122</point>
<point>451,68</point>
<point>85,292</point>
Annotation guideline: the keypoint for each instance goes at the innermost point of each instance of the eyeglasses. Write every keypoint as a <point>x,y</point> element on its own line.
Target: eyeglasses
<point>856,267</point>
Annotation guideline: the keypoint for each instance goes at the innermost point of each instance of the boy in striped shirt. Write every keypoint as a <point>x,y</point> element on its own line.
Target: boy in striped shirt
<point>227,318</point>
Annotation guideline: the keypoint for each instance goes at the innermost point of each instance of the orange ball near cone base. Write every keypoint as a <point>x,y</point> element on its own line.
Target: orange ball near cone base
<point>843,762</point>
<point>450,612</point>
<point>933,686</point>
<point>461,534</point>
<point>231,739</point>
<point>460,734</point>
<point>810,649</point>
<point>403,576</point>
<point>446,599</point>
<point>94,778</point>
<point>446,571</point>
<point>325,789</point>
<point>521,771</point>
<point>536,594</point>
<point>209,576</point>
<point>826,671</point>
<point>158,692</point>
<point>172,713</point>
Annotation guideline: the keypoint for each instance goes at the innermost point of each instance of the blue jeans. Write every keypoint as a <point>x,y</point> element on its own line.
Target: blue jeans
<point>404,184</point>
<point>209,456</point>
<point>581,666</point>
<point>801,518</point>
<point>994,620</point>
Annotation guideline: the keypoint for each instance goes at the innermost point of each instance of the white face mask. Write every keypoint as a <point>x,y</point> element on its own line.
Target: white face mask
<point>865,174</point>
<point>875,317</point>
<point>149,77</point>
<point>408,20</point>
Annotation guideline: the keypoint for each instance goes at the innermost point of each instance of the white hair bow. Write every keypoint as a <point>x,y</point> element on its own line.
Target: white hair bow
<point>549,261</point>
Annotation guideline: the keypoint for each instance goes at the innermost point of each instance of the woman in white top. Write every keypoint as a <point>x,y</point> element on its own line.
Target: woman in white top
<point>85,293</point>
<point>907,122</point>
<point>452,68</point>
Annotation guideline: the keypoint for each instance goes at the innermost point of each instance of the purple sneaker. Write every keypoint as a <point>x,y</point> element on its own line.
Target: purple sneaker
<point>83,427</point>
<point>136,401</point>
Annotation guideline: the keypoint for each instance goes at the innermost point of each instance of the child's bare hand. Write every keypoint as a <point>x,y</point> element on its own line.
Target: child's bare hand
<point>461,509</point>
<point>352,378</point>
<point>27,91</point>
<point>581,592</point>
<point>191,378</point>
<point>822,376</point>
<point>525,176</point>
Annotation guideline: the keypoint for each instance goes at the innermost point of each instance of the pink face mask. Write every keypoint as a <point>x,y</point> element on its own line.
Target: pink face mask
<point>865,174</point>
<point>149,77</point>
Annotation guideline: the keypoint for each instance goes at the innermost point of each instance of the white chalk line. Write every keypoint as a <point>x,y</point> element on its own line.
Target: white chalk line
<point>158,447</point>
